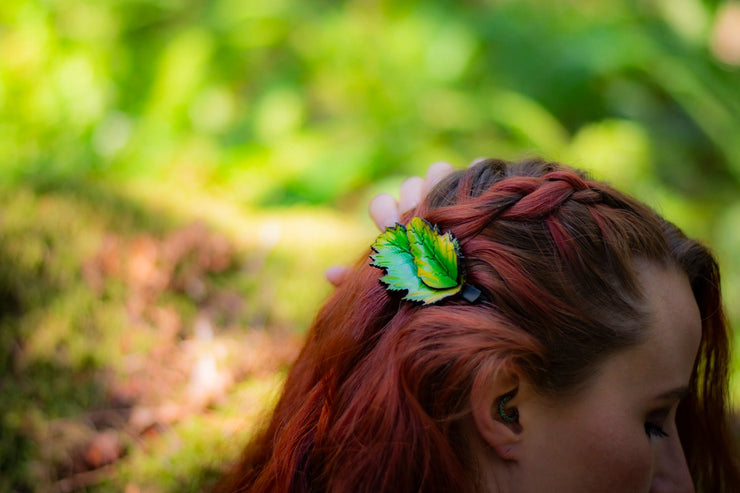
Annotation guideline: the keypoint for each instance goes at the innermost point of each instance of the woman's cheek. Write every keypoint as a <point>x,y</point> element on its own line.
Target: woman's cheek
<point>621,463</point>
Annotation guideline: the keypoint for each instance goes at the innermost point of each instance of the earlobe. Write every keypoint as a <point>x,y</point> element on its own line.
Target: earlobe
<point>495,413</point>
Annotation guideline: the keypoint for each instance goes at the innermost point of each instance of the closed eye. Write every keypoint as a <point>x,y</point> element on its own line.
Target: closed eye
<point>654,431</point>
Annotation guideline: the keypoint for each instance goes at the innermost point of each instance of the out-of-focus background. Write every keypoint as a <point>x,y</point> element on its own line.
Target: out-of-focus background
<point>177,174</point>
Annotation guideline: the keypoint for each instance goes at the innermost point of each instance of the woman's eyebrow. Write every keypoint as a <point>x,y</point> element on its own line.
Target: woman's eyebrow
<point>677,393</point>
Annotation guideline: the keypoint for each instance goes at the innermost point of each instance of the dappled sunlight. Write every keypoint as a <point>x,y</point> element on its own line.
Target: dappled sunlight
<point>176,177</point>
<point>153,330</point>
<point>725,42</point>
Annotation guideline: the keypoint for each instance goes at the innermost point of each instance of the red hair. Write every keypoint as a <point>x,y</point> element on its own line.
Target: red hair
<point>376,398</point>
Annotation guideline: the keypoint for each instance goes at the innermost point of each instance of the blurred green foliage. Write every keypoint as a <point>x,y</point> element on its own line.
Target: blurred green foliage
<point>282,102</point>
<point>275,107</point>
<point>305,102</point>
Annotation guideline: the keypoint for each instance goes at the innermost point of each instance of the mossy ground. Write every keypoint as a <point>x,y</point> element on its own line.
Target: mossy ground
<point>141,340</point>
<point>145,330</point>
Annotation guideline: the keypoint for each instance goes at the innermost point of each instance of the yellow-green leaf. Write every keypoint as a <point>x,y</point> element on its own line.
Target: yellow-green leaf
<point>435,255</point>
<point>418,260</point>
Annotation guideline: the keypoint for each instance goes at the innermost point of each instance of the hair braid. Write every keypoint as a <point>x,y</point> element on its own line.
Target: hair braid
<point>539,243</point>
<point>542,197</point>
<point>376,401</point>
<point>495,191</point>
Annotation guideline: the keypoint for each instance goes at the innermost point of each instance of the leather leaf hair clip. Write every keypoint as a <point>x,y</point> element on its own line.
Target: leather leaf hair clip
<point>421,261</point>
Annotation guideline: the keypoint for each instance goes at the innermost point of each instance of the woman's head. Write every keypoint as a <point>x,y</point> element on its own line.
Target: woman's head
<point>617,432</point>
<point>574,276</point>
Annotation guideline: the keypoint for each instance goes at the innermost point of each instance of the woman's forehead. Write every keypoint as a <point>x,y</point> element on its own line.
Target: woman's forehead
<point>663,362</point>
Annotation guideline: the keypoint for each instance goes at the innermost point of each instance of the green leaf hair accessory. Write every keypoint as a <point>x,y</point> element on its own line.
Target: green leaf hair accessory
<point>422,261</point>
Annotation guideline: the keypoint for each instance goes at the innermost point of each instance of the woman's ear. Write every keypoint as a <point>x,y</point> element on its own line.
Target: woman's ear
<point>494,407</point>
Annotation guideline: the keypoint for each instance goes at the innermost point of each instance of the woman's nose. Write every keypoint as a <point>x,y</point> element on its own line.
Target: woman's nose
<point>671,471</point>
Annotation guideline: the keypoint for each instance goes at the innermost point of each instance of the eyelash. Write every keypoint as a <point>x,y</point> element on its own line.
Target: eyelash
<point>655,431</point>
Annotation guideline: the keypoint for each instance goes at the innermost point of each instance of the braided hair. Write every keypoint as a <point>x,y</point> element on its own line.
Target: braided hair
<point>376,398</point>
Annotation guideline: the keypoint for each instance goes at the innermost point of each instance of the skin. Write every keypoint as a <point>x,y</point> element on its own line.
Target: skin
<point>619,433</point>
<point>385,211</point>
<point>609,437</point>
